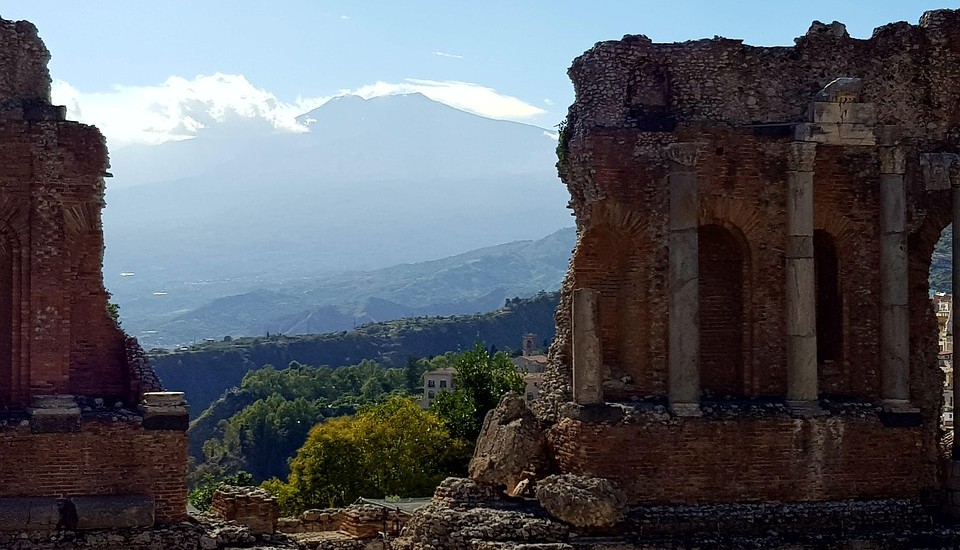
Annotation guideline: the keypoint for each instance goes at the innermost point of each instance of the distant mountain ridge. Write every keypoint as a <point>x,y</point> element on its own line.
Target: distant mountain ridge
<point>475,281</point>
<point>379,182</point>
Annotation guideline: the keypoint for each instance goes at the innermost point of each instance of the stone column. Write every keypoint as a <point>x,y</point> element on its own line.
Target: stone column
<point>587,353</point>
<point>684,281</point>
<point>894,315</point>
<point>800,284</point>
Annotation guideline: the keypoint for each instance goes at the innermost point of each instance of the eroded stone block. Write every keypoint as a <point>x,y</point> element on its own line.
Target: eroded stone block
<point>113,511</point>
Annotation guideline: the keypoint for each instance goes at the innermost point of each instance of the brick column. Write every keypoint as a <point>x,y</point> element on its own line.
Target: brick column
<point>894,315</point>
<point>684,281</point>
<point>955,317</point>
<point>800,283</point>
<point>587,356</point>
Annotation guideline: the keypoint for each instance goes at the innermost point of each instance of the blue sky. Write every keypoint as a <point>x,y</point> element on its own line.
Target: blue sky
<point>113,59</point>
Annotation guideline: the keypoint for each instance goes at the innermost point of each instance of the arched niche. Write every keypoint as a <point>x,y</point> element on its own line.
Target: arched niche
<point>724,295</point>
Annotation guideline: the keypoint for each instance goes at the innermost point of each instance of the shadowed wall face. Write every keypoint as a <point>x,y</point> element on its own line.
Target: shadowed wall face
<point>721,312</point>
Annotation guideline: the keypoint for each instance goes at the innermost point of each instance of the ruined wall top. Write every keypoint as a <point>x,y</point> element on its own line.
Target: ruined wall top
<point>23,63</point>
<point>910,72</point>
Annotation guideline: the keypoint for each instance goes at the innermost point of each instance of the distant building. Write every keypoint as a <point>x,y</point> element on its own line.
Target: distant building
<point>946,364</point>
<point>943,306</point>
<point>530,363</point>
<point>435,382</point>
<point>532,383</point>
<point>532,360</point>
<point>529,344</point>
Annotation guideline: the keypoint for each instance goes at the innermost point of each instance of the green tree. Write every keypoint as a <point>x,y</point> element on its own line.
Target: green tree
<point>481,379</point>
<point>394,448</point>
<point>263,436</point>
<point>201,495</point>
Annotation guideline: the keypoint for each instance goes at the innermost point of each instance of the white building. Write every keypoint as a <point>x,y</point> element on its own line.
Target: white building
<point>434,382</point>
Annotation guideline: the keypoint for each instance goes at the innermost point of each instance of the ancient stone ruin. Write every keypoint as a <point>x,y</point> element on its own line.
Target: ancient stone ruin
<point>745,342</point>
<point>85,440</point>
<point>747,311</point>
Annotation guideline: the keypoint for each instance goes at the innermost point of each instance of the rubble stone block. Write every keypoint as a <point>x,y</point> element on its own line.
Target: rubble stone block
<point>113,511</point>
<point>582,501</point>
<point>29,514</point>
<point>510,443</point>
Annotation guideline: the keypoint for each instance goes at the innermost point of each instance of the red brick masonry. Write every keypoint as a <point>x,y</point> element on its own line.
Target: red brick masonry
<point>106,457</point>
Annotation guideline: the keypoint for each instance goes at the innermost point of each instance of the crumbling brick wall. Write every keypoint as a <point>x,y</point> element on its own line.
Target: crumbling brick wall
<point>70,379</point>
<point>250,506</point>
<point>55,334</point>
<point>744,107</point>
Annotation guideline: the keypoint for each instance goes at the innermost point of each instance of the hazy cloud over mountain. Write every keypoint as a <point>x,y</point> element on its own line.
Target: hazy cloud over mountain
<point>178,108</point>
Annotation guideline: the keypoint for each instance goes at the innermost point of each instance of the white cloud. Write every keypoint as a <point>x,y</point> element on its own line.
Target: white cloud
<point>548,101</point>
<point>466,96</point>
<point>178,108</point>
<point>445,54</point>
<point>345,17</point>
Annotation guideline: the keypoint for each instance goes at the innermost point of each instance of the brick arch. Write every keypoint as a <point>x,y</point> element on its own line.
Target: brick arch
<point>750,229</point>
<point>612,257</point>
<point>831,317</point>
<point>926,378</point>
<point>734,215</point>
<point>14,379</point>
<point>725,311</point>
<point>844,232</point>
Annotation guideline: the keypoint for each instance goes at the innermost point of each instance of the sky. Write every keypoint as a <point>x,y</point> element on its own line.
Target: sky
<point>149,72</point>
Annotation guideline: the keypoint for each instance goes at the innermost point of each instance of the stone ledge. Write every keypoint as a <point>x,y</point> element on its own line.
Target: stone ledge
<point>657,410</point>
<point>111,511</point>
<point>29,513</point>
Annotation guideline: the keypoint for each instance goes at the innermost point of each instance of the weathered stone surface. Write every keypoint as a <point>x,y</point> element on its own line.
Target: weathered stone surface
<point>437,527</point>
<point>510,443</point>
<point>29,513</point>
<point>587,356</point>
<point>582,501</point>
<point>113,511</point>
<point>252,507</point>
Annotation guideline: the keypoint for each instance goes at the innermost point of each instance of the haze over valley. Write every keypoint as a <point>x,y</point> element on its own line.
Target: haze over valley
<point>245,229</point>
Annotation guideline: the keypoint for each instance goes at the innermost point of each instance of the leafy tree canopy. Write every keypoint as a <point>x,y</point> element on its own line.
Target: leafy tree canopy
<point>481,379</point>
<point>394,448</point>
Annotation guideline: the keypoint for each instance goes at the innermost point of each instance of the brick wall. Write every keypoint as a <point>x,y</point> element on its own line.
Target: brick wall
<point>105,457</point>
<point>745,459</point>
<point>722,296</point>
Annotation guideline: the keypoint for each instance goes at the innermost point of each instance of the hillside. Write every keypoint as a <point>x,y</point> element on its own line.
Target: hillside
<point>205,371</point>
<point>941,264</point>
<point>475,281</point>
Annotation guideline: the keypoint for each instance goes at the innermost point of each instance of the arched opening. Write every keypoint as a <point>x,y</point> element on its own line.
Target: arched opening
<point>6,324</point>
<point>940,291</point>
<point>722,261</point>
<point>829,299</point>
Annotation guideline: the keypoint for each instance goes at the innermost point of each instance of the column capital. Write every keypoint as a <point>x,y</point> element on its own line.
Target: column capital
<point>893,160</point>
<point>940,170</point>
<point>684,153</point>
<point>801,156</point>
